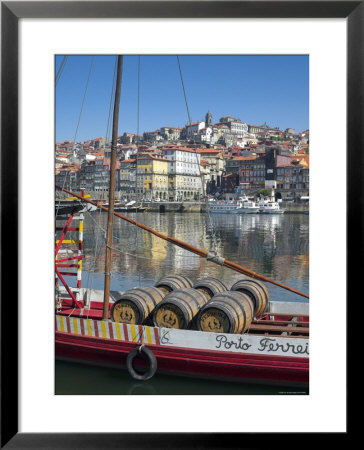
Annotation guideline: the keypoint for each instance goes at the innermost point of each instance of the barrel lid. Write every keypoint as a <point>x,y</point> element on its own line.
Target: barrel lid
<point>168,315</point>
<point>172,282</point>
<point>209,283</point>
<point>214,320</point>
<point>125,311</point>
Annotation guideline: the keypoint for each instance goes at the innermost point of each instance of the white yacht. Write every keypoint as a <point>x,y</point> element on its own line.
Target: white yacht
<point>247,206</point>
<point>242,206</point>
<point>269,205</point>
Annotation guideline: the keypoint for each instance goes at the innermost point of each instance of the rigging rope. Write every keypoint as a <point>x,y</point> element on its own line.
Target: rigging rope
<point>97,225</point>
<point>108,128</point>
<point>78,123</point>
<point>184,90</point>
<point>96,257</point>
<point>138,108</point>
<point>210,225</point>
<point>134,255</point>
<point>60,69</point>
<point>84,98</point>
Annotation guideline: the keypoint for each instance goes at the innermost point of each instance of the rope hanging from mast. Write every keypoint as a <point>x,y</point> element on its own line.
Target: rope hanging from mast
<point>111,104</point>
<point>60,69</point>
<point>184,90</point>
<point>138,105</point>
<point>80,114</point>
<point>84,97</point>
<point>209,218</point>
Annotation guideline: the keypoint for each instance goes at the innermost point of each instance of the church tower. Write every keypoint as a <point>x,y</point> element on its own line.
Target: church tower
<point>208,119</point>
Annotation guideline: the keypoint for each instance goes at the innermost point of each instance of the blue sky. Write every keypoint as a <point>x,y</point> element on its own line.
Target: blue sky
<point>255,88</point>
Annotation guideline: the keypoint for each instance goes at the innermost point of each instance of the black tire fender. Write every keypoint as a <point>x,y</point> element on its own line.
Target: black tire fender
<point>146,353</point>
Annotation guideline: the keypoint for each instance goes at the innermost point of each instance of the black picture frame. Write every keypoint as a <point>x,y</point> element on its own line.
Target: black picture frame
<point>11,12</point>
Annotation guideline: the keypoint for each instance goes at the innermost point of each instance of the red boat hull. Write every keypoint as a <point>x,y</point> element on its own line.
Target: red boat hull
<point>198,363</point>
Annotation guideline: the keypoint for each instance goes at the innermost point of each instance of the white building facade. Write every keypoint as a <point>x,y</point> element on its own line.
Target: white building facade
<point>184,174</point>
<point>193,128</point>
<point>240,129</point>
<point>171,133</point>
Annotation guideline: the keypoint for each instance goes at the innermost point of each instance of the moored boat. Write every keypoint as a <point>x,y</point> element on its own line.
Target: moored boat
<point>67,205</point>
<point>241,206</point>
<point>247,206</point>
<point>131,206</point>
<point>274,351</point>
<point>178,326</point>
<point>269,205</point>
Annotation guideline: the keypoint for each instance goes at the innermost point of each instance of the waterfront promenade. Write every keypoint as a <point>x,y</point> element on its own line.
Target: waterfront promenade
<point>196,207</point>
<point>293,208</point>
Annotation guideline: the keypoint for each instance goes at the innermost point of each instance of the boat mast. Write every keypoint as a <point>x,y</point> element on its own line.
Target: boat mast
<point>110,217</point>
<point>137,138</point>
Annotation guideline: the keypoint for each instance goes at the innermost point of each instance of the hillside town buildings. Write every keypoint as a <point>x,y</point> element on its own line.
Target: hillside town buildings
<point>186,164</point>
<point>151,176</point>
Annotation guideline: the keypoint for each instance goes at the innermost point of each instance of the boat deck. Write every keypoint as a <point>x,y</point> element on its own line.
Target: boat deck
<point>283,318</point>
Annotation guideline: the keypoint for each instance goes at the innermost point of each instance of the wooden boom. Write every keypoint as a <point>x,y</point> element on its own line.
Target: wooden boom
<point>198,251</point>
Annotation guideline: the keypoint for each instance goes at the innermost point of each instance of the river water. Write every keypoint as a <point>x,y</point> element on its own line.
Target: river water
<point>276,246</point>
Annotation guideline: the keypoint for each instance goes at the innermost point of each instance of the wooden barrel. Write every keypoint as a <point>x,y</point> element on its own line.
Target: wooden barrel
<point>172,282</point>
<point>136,305</point>
<point>210,286</point>
<point>228,312</point>
<point>256,290</point>
<point>179,308</point>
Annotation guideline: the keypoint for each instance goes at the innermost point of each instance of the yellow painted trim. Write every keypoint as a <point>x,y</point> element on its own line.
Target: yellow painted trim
<point>118,333</point>
<point>70,241</point>
<point>149,335</point>
<point>133,333</point>
<point>103,329</point>
<point>61,323</point>
<point>89,329</point>
<point>75,325</point>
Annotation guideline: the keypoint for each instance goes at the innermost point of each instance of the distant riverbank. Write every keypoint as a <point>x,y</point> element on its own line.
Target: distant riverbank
<point>291,208</point>
<point>162,207</point>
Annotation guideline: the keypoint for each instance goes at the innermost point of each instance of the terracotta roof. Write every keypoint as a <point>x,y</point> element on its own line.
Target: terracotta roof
<point>151,156</point>
<point>243,158</point>
<point>183,149</point>
<point>303,162</point>
<point>208,150</point>
<point>159,158</point>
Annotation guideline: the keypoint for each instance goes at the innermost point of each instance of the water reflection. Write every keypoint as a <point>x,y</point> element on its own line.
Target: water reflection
<point>276,246</point>
<point>108,381</point>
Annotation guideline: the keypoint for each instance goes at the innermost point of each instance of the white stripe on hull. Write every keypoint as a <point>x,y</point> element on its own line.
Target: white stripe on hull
<point>238,343</point>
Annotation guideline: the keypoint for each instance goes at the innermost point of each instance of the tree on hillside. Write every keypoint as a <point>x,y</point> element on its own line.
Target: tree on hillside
<point>264,193</point>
